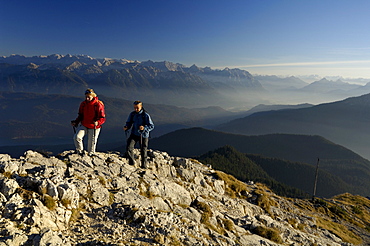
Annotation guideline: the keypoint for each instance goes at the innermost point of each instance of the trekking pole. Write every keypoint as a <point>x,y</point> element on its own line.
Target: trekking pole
<point>316,174</point>
<point>141,149</point>
<point>74,129</point>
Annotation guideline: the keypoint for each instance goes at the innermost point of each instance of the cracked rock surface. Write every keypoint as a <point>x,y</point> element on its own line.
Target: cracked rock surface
<point>70,199</point>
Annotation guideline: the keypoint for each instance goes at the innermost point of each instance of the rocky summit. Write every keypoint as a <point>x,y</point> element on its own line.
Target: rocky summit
<point>71,199</point>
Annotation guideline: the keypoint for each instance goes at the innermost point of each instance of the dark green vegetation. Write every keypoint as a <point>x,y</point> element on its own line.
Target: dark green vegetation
<point>228,160</point>
<point>290,179</point>
<point>341,170</point>
<point>302,176</point>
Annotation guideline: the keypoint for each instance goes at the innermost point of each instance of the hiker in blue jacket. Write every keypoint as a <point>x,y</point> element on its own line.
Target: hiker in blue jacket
<point>141,124</point>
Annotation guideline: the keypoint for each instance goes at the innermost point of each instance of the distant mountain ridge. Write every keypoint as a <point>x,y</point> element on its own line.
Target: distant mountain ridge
<point>57,59</point>
<point>325,85</point>
<point>263,107</point>
<point>277,83</point>
<point>81,60</point>
<point>78,61</point>
<point>345,122</point>
<point>163,82</point>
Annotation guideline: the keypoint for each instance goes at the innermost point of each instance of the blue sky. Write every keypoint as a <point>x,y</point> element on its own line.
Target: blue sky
<point>326,37</point>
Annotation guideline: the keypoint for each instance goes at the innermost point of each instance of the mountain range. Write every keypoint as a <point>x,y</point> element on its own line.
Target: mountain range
<point>165,82</point>
<point>291,89</point>
<point>157,82</point>
<point>344,122</point>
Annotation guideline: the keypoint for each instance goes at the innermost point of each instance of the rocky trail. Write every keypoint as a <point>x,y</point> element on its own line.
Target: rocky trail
<point>70,199</point>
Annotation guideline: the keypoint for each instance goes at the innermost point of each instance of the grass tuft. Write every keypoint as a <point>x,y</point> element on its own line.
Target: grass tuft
<point>49,202</point>
<point>66,202</point>
<point>234,187</point>
<point>76,212</point>
<point>7,174</point>
<point>102,180</point>
<point>269,233</point>
<point>264,200</point>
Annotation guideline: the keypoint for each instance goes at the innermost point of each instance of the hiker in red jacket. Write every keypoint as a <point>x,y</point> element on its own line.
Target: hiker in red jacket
<point>91,115</point>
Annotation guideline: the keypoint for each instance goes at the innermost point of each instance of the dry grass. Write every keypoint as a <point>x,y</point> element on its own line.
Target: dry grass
<point>264,198</point>
<point>76,212</point>
<point>356,209</point>
<point>234,187</point>
<point>337,213</point>
<point>206,214</point>
<point>25,194</point>
<point>49,202</point>
<point>174,241</point>
<point>228,224</point>
<point>66,202</point>
<point>7,174</point>
<point>340,230</point>
<point>269,233</point>
<point>102,181</point>
<point>111,198</point>
<point>205,210</point>
<point>43,190</point>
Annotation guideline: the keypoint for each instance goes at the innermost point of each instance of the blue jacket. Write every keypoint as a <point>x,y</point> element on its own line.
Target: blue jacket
<point>135,120</point>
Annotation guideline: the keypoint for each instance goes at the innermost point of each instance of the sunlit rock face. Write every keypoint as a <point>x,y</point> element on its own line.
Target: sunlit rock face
<point>102,200</point>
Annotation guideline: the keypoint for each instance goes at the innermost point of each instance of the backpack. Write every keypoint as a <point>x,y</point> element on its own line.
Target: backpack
<point>97,109</point>
<point>143,114</point>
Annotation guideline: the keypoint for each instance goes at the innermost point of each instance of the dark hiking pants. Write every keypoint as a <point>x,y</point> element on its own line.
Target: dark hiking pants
<point>131,141</point>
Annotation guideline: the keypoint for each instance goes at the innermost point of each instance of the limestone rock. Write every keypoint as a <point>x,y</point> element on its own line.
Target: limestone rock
<point>8,187</point>
<point>71,199</point>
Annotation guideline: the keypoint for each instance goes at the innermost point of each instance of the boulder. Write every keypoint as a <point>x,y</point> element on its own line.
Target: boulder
<point>8,187</point>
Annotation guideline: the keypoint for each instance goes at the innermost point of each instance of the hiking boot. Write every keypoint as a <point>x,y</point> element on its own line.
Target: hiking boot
<point>132,163</point>
<point>124,155</point>
<point>92,155</point>
<point>80,152</point>
<point>144,165</point>
<point>151,154</point>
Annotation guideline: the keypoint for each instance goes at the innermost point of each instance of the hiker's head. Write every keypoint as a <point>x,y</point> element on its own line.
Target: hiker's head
<point>138,105</point>
<point>89,94</point>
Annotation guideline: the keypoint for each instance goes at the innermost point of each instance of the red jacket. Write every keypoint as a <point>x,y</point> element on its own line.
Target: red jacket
<point>92,111</point>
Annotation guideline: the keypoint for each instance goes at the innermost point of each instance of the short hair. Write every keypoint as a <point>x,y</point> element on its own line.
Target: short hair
<point>137,102</point>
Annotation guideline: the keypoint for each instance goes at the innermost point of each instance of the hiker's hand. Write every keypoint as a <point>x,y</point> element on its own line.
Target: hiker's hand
<point>73,123</point>
<point>96,123</point>
<point>141,128</point>
<point>125,128</point>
